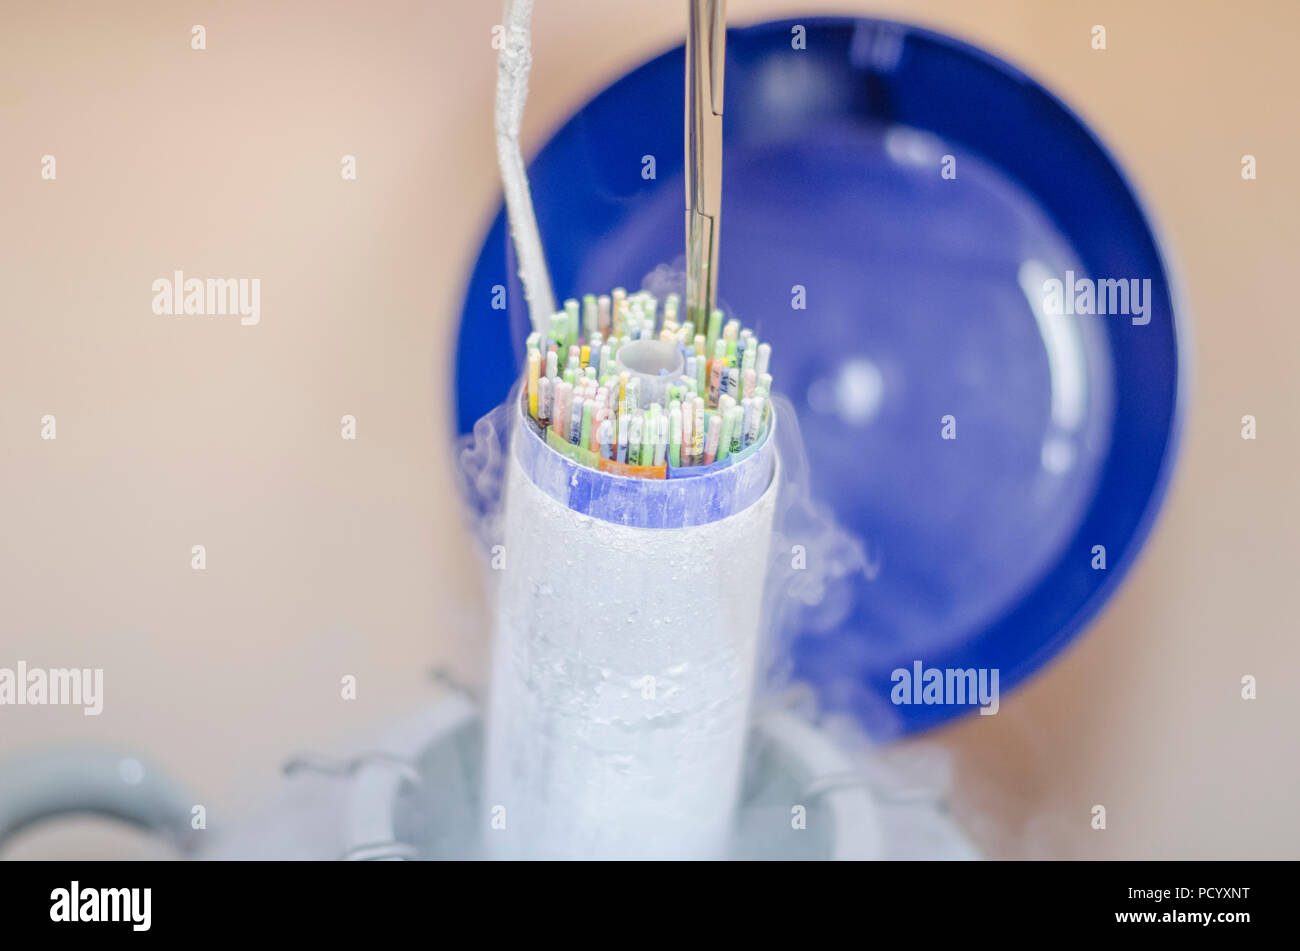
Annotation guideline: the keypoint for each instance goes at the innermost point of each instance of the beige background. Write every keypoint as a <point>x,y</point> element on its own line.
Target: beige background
<point>328,557</point>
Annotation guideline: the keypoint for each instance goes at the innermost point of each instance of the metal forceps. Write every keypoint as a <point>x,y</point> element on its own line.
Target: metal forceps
<point>706,48</point>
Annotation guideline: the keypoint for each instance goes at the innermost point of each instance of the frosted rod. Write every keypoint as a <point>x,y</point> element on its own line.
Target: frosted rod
<point>513,64</point>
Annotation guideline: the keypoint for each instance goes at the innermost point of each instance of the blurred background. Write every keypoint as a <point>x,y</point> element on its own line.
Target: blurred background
<point>328,557</point>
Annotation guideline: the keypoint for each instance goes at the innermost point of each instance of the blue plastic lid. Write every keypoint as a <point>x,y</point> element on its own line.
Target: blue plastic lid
<point>924,318</point>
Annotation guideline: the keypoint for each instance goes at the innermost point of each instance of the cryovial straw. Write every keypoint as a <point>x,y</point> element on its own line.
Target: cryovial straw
<point>699,429</point>
<point>544,396</point>
<point>675,433</point>
<point>634,440</point>
<point>706,45</point>
<point>534,372</point>
<point>606,438</point>
<point>711,441</point>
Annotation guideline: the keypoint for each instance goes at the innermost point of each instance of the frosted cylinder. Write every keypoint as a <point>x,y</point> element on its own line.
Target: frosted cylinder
<point>655,363</point>
<point>623,664</point>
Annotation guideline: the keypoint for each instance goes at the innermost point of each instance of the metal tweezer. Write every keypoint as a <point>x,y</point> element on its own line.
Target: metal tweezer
<point>706,48</point>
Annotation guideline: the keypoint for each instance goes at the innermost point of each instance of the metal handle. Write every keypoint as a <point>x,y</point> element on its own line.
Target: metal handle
<point>706,50</point>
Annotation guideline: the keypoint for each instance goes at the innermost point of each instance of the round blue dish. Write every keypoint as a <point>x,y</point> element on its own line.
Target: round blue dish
<point>923,318</point>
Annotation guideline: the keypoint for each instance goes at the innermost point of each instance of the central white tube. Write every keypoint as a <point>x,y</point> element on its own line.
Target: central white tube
<point>623,666</point>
